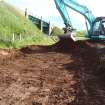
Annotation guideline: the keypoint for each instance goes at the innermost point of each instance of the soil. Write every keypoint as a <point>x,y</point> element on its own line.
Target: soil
<point>66,73</point>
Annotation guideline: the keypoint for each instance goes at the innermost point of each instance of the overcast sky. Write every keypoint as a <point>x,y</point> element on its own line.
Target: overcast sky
<point>47,9</point>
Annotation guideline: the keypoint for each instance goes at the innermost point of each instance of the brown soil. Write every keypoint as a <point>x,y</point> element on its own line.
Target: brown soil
<point>66,73</point>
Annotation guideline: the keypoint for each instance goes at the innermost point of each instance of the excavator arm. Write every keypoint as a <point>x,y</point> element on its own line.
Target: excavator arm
<point>83,10</point>
<point>63,12</point>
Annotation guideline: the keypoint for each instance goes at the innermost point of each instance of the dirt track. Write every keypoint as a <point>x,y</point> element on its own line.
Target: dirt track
<point>62,74</point>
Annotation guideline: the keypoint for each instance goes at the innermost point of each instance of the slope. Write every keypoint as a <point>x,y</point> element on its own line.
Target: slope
<point>12,21</point>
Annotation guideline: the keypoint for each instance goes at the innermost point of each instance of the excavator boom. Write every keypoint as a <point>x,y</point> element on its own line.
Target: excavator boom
<point>83,10</point>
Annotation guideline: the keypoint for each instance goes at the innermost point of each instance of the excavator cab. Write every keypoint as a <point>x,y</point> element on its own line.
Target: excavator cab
<point>98,29</point>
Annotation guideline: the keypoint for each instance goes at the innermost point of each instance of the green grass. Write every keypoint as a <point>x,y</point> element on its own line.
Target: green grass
<point>81,35</point>
<point>37,40</point>
<point>12,21</point>
<point>31,40</point>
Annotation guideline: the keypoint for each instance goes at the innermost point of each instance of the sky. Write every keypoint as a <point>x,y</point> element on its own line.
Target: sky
<point>47,9</point>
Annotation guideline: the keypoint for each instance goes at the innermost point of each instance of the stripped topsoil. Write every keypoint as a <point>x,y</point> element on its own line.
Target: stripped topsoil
<point>65,73</point>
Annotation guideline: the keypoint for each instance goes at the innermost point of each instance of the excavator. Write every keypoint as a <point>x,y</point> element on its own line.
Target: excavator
<point>95,25</point>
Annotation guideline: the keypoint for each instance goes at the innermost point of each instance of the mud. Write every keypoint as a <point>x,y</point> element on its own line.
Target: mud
<point>65,73</point>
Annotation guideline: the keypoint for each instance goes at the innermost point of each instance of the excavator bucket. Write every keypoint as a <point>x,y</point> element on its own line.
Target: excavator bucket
<point>68,35</point>
<point>67,41</point>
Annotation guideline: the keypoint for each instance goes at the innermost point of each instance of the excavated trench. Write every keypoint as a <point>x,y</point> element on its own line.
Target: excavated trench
<point>66,73</point>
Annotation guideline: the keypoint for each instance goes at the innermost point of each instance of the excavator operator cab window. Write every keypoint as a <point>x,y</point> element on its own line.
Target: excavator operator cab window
<point>95,30</point>
<point>103,27</point>
<point>99,27</point>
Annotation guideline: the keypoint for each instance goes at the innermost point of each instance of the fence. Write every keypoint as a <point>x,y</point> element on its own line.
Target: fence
<point>14,37</point>
<point>20,37</point>
<point>43,25</point>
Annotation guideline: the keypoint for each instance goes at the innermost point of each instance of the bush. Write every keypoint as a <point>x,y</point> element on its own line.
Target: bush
<point>56,31</point>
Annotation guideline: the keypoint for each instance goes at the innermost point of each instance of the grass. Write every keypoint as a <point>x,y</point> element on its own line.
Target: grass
<point>81,35</point>
<point>33,40</point>
<point>12,21</point>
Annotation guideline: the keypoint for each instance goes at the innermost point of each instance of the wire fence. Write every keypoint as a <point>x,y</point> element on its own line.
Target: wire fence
<point>14,37</point>
<point>20,37</point>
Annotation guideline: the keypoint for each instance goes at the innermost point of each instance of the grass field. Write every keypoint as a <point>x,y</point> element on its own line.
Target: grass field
<point>12,21</point>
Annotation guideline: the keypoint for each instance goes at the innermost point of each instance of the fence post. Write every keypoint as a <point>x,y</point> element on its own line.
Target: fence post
<point>49,28</point>
<point>13,37</point>
<point>41,24</point>
<point>26,13</point>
